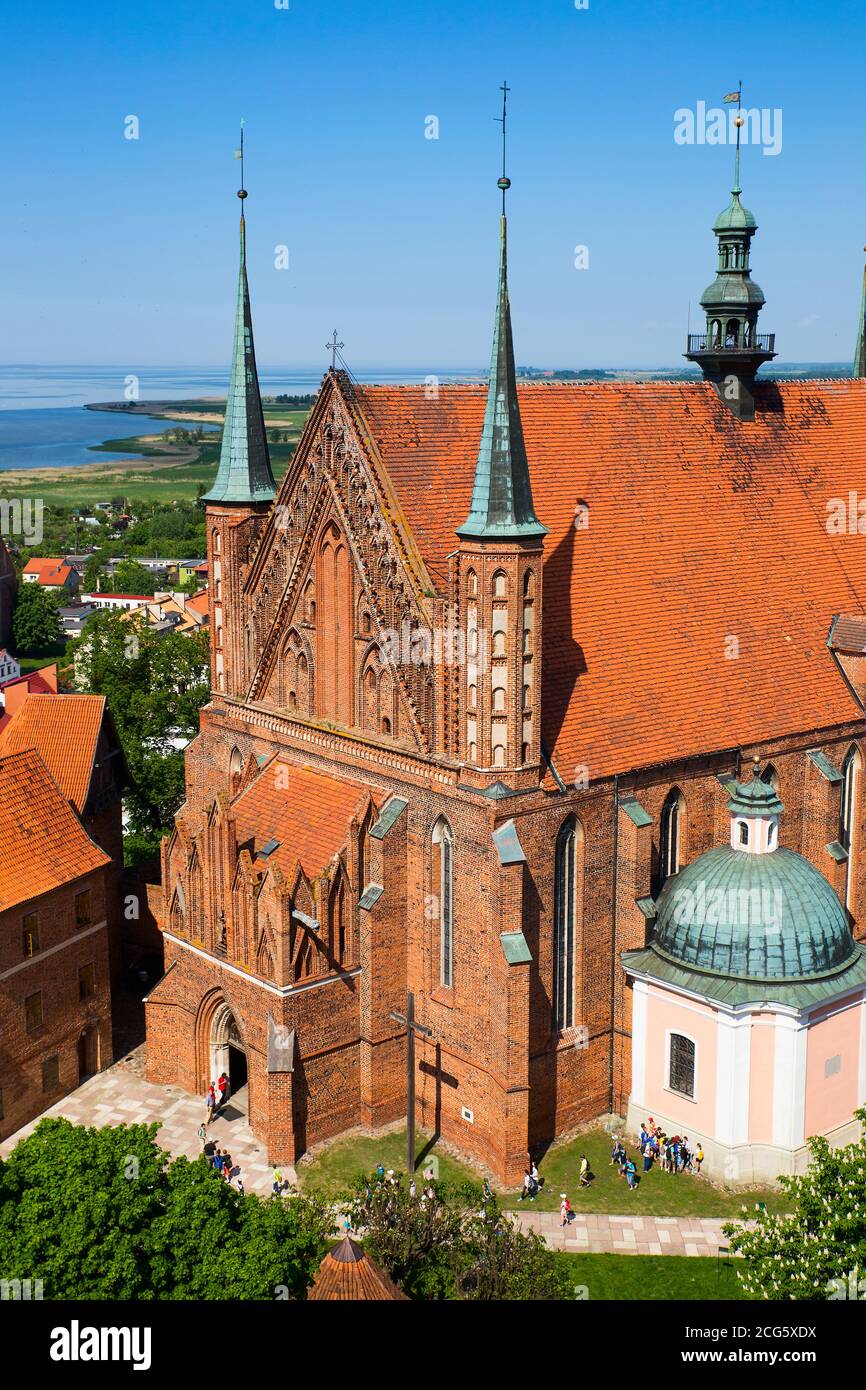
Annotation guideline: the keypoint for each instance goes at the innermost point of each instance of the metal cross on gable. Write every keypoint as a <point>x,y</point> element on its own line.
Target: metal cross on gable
<point>334,348</point>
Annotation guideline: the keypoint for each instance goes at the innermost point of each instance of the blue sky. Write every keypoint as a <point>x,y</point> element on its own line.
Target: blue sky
<point>122,251</point>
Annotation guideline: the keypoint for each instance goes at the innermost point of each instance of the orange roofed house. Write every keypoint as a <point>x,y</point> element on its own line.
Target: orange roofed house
<point>55,996</point>
<point>51,574</point>
<point>484,671</point>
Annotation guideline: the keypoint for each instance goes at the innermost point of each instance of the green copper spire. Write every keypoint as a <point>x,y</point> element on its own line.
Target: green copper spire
<point>502,506</point>
<point>244,474</point>
<point>860,350</point>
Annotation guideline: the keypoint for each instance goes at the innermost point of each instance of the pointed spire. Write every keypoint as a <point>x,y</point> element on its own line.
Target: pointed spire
<point>860,350</point>
<point>502,506</point>
<point>244,474</point>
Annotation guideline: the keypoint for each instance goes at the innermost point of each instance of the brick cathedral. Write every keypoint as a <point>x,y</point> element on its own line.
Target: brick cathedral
<point>484,670</point>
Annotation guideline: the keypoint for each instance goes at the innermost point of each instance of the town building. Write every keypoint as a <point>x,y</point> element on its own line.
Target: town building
<point>484,670</point>
<point>10,670</point>
<point>51,574</point>
<point>75,738</point>
<point>748,1014</point>
<point>55,988</point>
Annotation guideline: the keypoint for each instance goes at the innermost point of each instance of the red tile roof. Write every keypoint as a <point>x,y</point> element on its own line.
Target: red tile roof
<point>692,613</point>
<point>64,730</point>
<point>36,684</point>
<point>48,572</point>
<point>200,602</point>
<point>42,842</point>
<point>307,812</point>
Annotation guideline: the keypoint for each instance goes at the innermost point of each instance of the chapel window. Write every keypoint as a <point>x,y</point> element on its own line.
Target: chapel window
<point>681,1065</point>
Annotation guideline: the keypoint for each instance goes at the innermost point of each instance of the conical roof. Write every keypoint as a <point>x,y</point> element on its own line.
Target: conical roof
<point>502,506</point>
<point>347,1272</point>
<point>244,474</point>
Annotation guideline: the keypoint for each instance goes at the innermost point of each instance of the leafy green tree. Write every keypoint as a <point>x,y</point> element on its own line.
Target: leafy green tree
<point>130,577</point>
<point>155,686</point>
<point>105,1214</point>
<point>93,571</point>
<point>448,1242</point>
<point>818,1251</point>
<point>36,622</point>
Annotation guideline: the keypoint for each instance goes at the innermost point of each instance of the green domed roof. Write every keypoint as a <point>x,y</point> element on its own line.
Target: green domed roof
<point>753,916</point>
<point>735,217</point>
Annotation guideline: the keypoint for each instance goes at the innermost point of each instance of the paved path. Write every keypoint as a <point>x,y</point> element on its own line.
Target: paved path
<point>598,1233</point>
<point>121,1095</point>
<point>118,1096</point>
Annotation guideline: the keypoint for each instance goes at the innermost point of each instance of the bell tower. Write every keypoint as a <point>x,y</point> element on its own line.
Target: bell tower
<point>731,350</point>
<point>496,575</point>
<point>241,494</point>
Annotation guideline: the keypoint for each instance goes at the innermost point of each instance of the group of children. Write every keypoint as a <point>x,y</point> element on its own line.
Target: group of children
<point>670,1151</point>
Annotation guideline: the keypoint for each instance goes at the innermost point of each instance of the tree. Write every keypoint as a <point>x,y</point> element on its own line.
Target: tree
<point>130,577</point>
<point>106,1214</point>
<point>36,622</point>
<point>93,572</point>
<point>449,1242</point>
<point>819,1250</point>
<point>155,686</point>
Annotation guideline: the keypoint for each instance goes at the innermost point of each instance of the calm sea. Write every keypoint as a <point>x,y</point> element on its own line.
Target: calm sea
<point>43,423</point>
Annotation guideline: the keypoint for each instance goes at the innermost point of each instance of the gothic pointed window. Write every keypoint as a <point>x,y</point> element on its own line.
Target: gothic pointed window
<point>671,825</point>
<point>443,887</point>
<point>848,816</point>
<point>568,874</point>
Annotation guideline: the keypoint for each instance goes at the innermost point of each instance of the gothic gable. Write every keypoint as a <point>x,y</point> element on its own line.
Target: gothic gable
<point>336,591</point>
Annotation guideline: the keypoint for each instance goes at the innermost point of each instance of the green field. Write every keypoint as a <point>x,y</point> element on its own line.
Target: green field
<point>153,475</point>
<point>655,1277</point>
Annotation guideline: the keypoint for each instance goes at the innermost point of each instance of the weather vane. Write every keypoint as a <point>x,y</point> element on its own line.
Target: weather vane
<point>333,348</point>
<point>739,121</point>
<point>504,183</point>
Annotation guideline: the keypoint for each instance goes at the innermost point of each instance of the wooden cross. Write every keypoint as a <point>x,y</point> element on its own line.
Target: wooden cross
<point>408,1022</point>
<point>333,348</point>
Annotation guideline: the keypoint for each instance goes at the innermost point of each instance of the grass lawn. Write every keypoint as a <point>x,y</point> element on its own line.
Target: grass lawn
<point>336,1167</point>
<point>663,1277</point>
<point>657,1193</point>
<point>52,654</point>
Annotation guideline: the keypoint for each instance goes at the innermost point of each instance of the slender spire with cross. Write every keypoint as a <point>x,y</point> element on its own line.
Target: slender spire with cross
<point>505,182</point>
<point>333,348</point>
<point>244,475</point>
<point>502,506</point>
<point>239,154</point>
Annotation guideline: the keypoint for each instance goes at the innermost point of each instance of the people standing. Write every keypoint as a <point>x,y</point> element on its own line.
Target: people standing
<point>699,1158</point>
<point>631,1175</point>
<point>210,1102</point>
<point>224,1089</point>
<point>585,1175</point>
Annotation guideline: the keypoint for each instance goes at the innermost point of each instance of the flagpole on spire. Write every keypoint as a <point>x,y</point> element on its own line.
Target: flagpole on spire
<point>738,122</point>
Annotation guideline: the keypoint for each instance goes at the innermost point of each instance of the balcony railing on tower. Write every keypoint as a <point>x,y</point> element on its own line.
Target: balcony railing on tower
<point>728,342</point>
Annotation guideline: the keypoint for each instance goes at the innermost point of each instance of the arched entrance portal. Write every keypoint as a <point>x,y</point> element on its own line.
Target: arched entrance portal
<point>227,1054</point>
